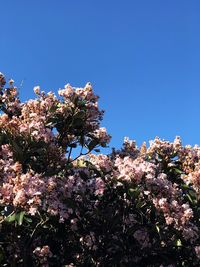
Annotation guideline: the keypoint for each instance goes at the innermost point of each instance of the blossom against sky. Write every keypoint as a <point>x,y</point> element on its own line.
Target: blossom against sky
<point>142,58</point>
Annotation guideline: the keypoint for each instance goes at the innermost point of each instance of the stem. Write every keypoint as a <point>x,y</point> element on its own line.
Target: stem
<point>69,154</point>
<point>81,154</point>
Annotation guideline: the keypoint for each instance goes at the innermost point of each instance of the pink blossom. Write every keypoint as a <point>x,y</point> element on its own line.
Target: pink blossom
<point>99,186</point>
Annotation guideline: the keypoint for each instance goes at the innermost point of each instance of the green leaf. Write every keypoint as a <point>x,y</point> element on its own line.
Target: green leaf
<point>134,192</point>
<point>27,219</point>
<point>81,103</point>
<point>158,229</point>
<point>185,186</point>
<point>192,194</point>
<point>10,218</point>
<point>20,217</point>
<point>178,171</point>
<point>189,197</point>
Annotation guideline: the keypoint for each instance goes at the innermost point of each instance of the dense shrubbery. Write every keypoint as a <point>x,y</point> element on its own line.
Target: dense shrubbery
<point>135,207</point>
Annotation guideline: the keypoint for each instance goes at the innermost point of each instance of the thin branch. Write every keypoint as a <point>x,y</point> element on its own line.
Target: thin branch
<point>69,154</point>
<point>82,154</point>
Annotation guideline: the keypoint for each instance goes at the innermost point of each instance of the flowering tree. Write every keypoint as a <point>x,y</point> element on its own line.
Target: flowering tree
<point>134,207</point>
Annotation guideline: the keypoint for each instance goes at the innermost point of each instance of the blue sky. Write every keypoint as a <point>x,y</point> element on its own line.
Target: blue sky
<point>142,57</point>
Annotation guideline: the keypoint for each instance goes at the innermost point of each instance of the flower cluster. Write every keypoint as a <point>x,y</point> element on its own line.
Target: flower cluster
<point>42,254</point>
<point>62,205</point>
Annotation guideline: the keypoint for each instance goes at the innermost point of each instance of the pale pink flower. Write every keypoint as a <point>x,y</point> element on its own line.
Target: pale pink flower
<point>36,90</point>
<point>99,186</point>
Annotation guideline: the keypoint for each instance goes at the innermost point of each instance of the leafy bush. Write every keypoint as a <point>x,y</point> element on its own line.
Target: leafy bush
<point>64,205</point>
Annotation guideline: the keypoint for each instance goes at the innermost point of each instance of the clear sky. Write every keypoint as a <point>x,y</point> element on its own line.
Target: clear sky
<point>142,57</point>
